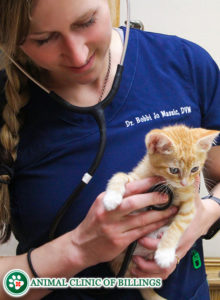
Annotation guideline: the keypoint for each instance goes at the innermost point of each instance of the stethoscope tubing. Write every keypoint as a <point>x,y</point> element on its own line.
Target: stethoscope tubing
<point>97,112</point>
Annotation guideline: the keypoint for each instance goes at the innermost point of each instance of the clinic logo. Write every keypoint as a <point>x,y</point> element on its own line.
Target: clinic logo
<point>16,283</point>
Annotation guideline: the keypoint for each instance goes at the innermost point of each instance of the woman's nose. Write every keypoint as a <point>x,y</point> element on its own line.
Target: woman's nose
<point>75,51</point>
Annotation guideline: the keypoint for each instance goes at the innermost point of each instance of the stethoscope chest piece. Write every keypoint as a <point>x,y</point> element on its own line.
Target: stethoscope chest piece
<point>162,189</point>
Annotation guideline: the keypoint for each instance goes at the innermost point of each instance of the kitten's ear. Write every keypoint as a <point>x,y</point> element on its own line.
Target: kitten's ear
<point>157,142</point>
<point>207,139</point>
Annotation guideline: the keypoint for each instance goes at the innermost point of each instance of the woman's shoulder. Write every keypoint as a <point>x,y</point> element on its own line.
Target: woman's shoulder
<point>176,52</point>
<point>172,45</point>
<point>163,40</point>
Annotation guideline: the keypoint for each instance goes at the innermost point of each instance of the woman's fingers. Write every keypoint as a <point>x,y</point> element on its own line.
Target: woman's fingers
<point>149,268</point>
<point>137,233</point>
<point>136,197</point>
<point>136,202</point>
<point>141,186</point>
<point>146,266</point>
<point>149,243</point>
<point>143,219</point>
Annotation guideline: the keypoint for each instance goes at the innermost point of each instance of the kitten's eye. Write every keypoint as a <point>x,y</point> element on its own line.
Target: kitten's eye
<point>194,170</point>
<point>174,170</point>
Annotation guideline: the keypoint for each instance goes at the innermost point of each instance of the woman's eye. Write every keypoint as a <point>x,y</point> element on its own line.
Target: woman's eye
<point>41,42</point>
<point>174,170</point>
<point>88,23</point>
<point>53,36</point>
<point>195,169</point>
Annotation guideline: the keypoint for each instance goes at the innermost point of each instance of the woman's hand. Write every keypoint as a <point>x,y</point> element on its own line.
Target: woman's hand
<point>207,212</point>
<point>149,268</point>
<point>104,234</point>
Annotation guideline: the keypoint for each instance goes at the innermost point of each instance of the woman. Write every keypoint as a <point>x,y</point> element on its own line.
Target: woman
<point>71,48</point>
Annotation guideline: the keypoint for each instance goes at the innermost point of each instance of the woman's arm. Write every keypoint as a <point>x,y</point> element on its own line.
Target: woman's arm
<point>212,181</point>
<point>212,171</point>
<point>54,259</point>
<point>100,237</point>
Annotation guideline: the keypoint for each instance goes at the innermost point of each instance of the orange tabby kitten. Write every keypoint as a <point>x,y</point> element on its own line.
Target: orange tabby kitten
<point>177,153</point>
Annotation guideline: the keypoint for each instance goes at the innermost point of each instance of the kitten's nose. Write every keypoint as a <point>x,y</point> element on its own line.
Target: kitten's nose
<point>184,182</point>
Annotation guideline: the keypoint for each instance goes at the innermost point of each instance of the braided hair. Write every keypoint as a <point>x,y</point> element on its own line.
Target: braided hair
<point>16,95</point>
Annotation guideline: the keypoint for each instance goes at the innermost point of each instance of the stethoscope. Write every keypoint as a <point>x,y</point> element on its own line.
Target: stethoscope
<point>97,111</point>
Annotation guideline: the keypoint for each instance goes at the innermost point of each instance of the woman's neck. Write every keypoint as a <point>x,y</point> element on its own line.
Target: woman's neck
<point>84,95</point>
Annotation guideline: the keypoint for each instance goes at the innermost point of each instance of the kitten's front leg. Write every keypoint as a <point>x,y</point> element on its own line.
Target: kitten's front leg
<point>116,189</point>
<point>165,254</point>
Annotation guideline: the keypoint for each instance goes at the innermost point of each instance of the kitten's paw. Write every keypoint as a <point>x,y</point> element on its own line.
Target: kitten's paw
<point>112,200</point>
<point>165,257</point>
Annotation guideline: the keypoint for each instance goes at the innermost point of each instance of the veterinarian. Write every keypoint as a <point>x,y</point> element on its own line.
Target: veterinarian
<point>70,47</point>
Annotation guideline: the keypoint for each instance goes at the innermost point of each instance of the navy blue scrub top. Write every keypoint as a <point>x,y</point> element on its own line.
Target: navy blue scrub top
<point>166,80</point>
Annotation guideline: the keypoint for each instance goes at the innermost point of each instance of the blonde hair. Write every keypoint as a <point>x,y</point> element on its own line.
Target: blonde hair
<point>14,25</point>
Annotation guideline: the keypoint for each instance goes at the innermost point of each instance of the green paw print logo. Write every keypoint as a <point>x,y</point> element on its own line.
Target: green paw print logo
<point>16,283</point>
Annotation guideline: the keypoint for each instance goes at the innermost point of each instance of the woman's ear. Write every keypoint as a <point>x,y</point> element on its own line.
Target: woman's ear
<point>157,142</point>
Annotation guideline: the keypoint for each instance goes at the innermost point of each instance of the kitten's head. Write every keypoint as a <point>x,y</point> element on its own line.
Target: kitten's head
<point>178,153</point>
